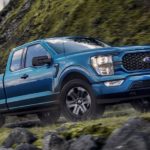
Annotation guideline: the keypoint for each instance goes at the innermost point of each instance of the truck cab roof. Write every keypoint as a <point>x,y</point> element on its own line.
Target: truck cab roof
<point>63,39</point>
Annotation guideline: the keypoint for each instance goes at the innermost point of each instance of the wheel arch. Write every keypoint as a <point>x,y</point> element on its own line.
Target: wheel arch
<point>73,74</point>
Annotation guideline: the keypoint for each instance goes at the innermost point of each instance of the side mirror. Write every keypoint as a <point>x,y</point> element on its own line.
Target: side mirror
<point>41,60</point>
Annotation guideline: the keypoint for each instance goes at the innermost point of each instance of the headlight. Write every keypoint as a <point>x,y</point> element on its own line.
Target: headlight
<point>103,65</point>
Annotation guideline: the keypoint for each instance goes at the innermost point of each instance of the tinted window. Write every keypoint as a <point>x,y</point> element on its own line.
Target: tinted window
<point>57,45</point>
<point>82,44</point>
<point>34,51</point>
<point>16,60</point>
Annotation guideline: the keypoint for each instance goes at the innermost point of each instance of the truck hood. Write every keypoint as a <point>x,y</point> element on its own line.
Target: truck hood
<point>111,50</point>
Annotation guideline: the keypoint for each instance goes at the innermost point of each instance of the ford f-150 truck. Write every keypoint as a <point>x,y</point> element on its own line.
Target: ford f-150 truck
<point>77,76</point>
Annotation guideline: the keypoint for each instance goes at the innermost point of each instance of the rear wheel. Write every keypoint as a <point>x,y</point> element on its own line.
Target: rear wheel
<point>142,105</point>
<point>49,117</point>
<point>2,120</point>
<point>78,102</point>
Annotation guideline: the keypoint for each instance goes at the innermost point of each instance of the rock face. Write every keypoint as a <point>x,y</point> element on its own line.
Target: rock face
<point>19,136</point>
<point>22,21</point>
<point>13,24</point>
<point>134,135</point>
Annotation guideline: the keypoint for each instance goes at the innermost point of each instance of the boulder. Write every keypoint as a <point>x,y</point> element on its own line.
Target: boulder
<point>27,147</point>
<point>53,141</point>
<point>134,135</point>
<point>19,136</point>
<point>85,142</point>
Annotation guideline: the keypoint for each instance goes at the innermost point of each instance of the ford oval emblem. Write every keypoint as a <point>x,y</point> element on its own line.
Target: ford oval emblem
<point>146,59</point>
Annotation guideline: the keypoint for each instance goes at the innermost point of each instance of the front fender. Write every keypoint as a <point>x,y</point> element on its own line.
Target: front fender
<point>72,69</point>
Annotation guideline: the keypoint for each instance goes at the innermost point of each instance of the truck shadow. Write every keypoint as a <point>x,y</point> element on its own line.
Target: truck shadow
<point>111,111</point>
<point>30,124</point>
<point>24,124</point>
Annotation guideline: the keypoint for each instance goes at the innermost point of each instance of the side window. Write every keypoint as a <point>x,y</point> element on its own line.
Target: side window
<point>16,60</point>
<point>34,51</point>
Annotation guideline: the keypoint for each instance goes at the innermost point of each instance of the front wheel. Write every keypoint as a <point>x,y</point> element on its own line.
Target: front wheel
<point>78,102</point>
<point>141,105</point>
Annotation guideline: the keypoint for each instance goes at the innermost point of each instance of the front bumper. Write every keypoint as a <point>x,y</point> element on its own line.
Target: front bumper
<point>133,87</point>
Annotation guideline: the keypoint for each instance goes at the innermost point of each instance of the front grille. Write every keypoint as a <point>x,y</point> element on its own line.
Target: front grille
<point>135,61</point>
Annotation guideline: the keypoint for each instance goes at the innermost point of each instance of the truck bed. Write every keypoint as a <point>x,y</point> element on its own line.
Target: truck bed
<point>3,105</point>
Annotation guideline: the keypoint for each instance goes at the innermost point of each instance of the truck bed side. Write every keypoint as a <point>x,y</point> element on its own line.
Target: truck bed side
<point>3,105</point>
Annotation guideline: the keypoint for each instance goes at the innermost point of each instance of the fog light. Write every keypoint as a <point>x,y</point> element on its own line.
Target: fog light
<point>113,83</point>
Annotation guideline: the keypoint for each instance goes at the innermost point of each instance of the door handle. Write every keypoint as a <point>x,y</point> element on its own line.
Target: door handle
<point>24,76</point>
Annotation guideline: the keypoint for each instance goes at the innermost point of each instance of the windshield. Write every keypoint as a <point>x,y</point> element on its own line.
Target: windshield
<point>76,44</point>
<point>82,44</point>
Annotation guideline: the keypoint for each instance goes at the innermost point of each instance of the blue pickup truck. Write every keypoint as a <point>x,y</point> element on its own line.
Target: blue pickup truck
<point>77,76</point>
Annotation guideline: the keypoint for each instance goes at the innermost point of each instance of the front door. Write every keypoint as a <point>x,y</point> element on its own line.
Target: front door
<point>30,86</point>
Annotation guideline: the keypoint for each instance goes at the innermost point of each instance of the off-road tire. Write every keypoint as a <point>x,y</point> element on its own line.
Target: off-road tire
<point>141,105</point>
<point>2,120</point>
<point>95,111</point>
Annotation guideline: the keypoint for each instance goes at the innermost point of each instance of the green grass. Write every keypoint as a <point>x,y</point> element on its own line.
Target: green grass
<point>117,22</point>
